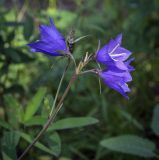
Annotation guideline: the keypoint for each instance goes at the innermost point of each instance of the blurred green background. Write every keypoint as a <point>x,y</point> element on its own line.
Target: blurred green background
<point>28,81</point>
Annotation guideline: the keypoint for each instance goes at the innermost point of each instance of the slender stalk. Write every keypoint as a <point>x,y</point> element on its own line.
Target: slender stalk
<point>58,90</point>
<point>89,71</point>
<point>51,118</point>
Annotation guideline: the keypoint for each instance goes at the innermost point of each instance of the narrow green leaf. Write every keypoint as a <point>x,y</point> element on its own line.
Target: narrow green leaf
<point>34,104</point>
<point>36,120</point>
<point>155,120</point>
<point>70,123</point>
<point>130,144</point>
<point>9,143</point>
<point>39,145</point>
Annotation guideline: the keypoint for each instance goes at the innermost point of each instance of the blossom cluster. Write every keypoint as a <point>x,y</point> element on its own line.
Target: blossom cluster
<point>117,71</point>
<point>112,56</point>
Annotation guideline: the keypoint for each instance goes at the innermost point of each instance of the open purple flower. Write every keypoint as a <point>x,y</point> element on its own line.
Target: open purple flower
<point>112,54</point>
<point>51,41</point>
<point>117,80</point>
<point>118,68</point>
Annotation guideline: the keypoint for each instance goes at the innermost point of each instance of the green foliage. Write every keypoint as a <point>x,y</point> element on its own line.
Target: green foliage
<point>15,111</point>
<point>155,120</point>
<point>9,142</point>
<point>130,144</point>
<point>69,123</point>
<point>39,145</point>
<point>26,77</point>
<point>54,143</point>
<point>34,104</point>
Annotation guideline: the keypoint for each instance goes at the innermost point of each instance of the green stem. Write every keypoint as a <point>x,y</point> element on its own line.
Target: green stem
<point>51,118</point>
<point>58,90</point>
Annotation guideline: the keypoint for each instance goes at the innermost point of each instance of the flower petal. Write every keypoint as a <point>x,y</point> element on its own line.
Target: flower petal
<point>51,41</point>
<point>123,76</point>
<point>114,83</point>
<point>102,56</point>
<point>118,38</point>
<point>46,48</point>
<point>120,54</point>
<point>130,68</point>
<point>50,34</point>
<point>113,53</point>
<point>116,80</point>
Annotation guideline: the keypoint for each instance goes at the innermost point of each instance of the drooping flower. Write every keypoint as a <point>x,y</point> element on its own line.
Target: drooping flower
<point>112,54</point>
<point>118,68</point>
<point>51,41</point>
<point>117,80</point>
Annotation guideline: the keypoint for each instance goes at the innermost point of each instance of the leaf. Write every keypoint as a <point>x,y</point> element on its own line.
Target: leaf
<point>69,123</point>
<point>54,143</point>
<point>36,120</point>
<point>34,104</point>
<point>9,143</point>
<point>130,144</point>
<point>14,110</point>
<point>155,120</point>
<point>39,145</point>
<point>48,104</point>
<point>12,55</point>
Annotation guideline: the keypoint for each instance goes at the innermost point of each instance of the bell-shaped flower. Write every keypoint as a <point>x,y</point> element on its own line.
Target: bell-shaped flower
<point>112,54</point>
<point>116,79</point>
<point>51,41</point>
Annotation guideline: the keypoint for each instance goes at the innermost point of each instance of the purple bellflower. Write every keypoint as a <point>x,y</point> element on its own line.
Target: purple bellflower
<point>112,54</point>
<point>118,68</point>
<point>116,80</point>
<point>51,41</point>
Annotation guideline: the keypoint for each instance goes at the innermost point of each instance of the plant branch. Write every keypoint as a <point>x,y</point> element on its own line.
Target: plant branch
<point>51,118</point>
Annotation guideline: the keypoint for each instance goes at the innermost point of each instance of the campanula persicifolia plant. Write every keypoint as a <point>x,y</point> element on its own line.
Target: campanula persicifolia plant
<point>115,70</point>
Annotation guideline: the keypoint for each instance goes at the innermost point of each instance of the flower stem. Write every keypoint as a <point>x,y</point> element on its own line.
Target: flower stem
<point>51,118</point>
<point>89,71</point>
<point>58,90</point>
